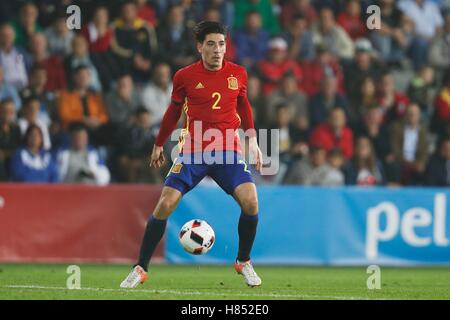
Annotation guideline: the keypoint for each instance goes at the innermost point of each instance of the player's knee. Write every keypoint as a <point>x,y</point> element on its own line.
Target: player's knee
<point>165,207</point>
<point>250,206</point>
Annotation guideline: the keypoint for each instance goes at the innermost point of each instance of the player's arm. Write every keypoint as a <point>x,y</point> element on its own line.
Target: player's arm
<point>244,111</point>
<point>168,124</point>
<point>169,121</point>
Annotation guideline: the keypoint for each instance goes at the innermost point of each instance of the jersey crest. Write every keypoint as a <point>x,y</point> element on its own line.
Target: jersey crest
<point>232,83</point>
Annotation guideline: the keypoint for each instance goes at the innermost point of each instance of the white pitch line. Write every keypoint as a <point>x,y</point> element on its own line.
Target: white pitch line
<point>178,292</point>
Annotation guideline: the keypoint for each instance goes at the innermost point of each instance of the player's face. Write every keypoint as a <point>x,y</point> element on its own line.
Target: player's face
<point>212,50</point>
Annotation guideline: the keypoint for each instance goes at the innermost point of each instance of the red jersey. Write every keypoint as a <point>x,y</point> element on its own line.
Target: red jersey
<point>215,100</point>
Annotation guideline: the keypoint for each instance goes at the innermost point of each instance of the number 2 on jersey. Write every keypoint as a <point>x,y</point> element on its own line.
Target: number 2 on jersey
<point>218,96</point>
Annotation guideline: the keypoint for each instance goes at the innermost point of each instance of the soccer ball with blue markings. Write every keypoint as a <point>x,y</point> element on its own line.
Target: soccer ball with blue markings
<point>197,237</point>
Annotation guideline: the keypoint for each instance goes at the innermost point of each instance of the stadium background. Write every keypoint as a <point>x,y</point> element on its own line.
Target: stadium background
<point>363,117</point>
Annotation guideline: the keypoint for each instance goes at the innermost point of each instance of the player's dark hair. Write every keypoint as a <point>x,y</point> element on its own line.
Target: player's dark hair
<point>202,29</point>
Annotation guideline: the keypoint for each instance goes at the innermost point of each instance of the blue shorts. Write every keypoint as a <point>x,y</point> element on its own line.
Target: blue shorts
<point>188,170</point>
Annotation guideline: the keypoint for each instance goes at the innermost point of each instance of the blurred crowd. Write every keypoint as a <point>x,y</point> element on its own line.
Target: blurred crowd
<point>357,101</point>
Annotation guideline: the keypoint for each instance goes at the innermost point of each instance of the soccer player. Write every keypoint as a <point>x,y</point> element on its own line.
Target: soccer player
<point>212,93</point>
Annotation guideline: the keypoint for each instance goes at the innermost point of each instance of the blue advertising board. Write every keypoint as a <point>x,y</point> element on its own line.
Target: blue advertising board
<point>323,226</point>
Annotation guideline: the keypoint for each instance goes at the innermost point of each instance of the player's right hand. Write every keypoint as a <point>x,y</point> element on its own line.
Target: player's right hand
<point>157,158</point>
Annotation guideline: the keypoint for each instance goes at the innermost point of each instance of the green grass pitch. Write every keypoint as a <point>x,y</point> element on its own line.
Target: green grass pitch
<point>43,281</point>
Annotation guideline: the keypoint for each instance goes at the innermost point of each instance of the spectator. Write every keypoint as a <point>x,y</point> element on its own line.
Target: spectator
<point>156,95</point>
<point>390,40</point>
<point>324,64</point>
<point>421,89</point>
<point>12,59</point>
<point>251,41</point>
<point>426,17</point>
<point>10,136</point>
<point>410,145</point>
<point>364,168</point>
<point>53,65</point>
<point>438,169</point>
<point>26,24</point>
<point>82,104</point>
<point>287,92</point>
<point>174,39</point>
<point>122,100</point>
<point>191,11</point>
<point>136,142</point>
<point>441,112</point>
<point>30,116</point>
<point>146,12</point>
<point>299,39</point>
<point>325,100</point>
<point>277,65</point>
<point>214,14</point>
<point>59,37</point>
<point>134,42</point>
<point>37,88</point>
<point>364,98</point>
<point>282,123</point>
<point>226,9</point>
<point>263,7</point>
<point>350,20</point>
<point>439,53</point>
<point>299,131</point>
<point>362,66</point>
<point>334,134</point>
<point>336,160</point>
<point>8,91</point>
<point>292,8</point>
<point>32,163</point>
<point>257,102</point>
<point>373,128</point>
<point>97,32</point>
<point>314,170</point>
<point>81,163</point>
<point>428,22</point>
<point>393,103</point>
<point>327,32</point>
<point>80,57</point>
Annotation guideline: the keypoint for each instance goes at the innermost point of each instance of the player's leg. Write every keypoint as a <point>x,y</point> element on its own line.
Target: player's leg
<point>154,232</point>
<point>236,180</point>
<point>246,196</point>
<point>156,225</point>
<point>180,180</point>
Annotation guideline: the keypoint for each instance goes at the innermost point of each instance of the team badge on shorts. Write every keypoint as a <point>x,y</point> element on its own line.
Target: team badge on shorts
<point>177,168</point>
<point>232,83</point>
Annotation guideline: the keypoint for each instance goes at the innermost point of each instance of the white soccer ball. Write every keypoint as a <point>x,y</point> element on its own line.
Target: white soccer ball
<point>197,236</point>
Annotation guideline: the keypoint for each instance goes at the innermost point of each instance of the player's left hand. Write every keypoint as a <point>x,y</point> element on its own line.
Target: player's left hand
<point>157,158</point>
<point>255,153</point>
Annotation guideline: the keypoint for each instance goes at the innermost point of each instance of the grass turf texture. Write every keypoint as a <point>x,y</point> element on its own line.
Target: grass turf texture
<point>40,281</point>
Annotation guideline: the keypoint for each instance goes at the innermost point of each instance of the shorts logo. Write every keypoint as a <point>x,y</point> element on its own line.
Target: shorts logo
<point>177,168</point>
<point>232,83</point>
